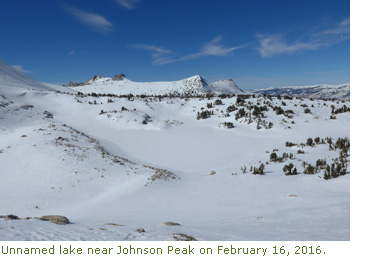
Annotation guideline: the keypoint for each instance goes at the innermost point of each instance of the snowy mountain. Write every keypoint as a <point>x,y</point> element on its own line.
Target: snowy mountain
<point>341,92</point>
<point>230,168</point>
<point>195,85</point>
<point>227,86</point>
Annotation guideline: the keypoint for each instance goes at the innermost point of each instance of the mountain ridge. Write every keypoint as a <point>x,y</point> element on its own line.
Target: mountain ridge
<point>323,91</point>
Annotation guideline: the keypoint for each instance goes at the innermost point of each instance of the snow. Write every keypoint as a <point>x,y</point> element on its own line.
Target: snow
<point>194,85</point>
<point>324,91</point>
<point>228,86</point>
<point>60,155</point>
<point>13,79</point>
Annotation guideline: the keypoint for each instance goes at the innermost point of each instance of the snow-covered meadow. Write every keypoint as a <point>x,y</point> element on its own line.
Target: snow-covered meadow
<point>114,163</point>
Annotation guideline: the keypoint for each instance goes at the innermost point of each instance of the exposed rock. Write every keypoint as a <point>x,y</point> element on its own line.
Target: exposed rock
<point>212,173</point>
<point>113,224</point>
<point>26,107</point>
<point>140,230</point>
<point>10,217</point>
<point>48,114</point>
<point>183,237</point>
<point>170,224</point>
<point>119,77</point>
<point>56,219</point>
<point>93,79</point>
<point>72,84</point>
<point>161,174</point>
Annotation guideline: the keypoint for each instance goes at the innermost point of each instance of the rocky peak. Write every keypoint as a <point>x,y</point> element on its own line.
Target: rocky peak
<point>94,79</point>
<point>119,77</point>
<point>73,84</point>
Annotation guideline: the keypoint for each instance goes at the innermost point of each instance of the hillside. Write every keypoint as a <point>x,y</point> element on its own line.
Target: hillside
<point>341,92</point>
<point>192,86</point>
<point>13,80</point>
<point>219,166</point>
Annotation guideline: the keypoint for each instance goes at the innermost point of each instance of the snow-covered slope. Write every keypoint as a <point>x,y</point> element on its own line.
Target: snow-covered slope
<point>190,86</point>
<point>114,165</point>
<point>13,79</point>
<point>195,85</point>
<point>325,91</point>
<point>227,86</point>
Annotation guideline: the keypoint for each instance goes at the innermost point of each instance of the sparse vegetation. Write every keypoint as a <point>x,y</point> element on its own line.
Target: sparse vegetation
<point>259,170</point>
<point>289,170</point>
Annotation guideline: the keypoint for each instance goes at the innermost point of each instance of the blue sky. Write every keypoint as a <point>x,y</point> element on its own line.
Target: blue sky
<point>259,44</point>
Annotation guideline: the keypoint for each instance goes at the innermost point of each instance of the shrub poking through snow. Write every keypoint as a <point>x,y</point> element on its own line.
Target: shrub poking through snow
<point>309,169</point>
<point>218,102</point>
<point>273,157</point>
<point>321,164</point>
<point>259,170</point>
<point>204,114</point>
<point>310,142</point>
<point>289,170</point>
<point>227,125</point>
<point>289,144</point>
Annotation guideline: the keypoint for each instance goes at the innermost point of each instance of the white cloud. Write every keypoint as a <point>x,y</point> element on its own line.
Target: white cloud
<point>151,48</point>
<point>272,45</point>
<point>159,54</point>
<point>342,28</point>
<point>213,48</point>
<point>71,53</point>
<point>20,68</point>
<point>94,21</point>
<point>129,4</point>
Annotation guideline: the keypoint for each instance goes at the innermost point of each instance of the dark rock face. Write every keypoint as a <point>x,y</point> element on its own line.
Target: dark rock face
<point>119,77</point>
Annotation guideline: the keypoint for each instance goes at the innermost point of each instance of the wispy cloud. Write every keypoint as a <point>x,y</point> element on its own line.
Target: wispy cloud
<point>20,68</point>
<point>272,45</point>
<point>163,56</point>
<point>94,21</point>
<point>214,48</point>
<point>71,53</point>
<point>129,4</point>
<point>159,54</point>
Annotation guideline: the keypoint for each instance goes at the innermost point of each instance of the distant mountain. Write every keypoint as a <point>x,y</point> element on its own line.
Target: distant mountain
<point>196,85</point>
<point>11,79</point>
<point>190,86</point>
<point>227,86</point>
<point>317,91</point>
